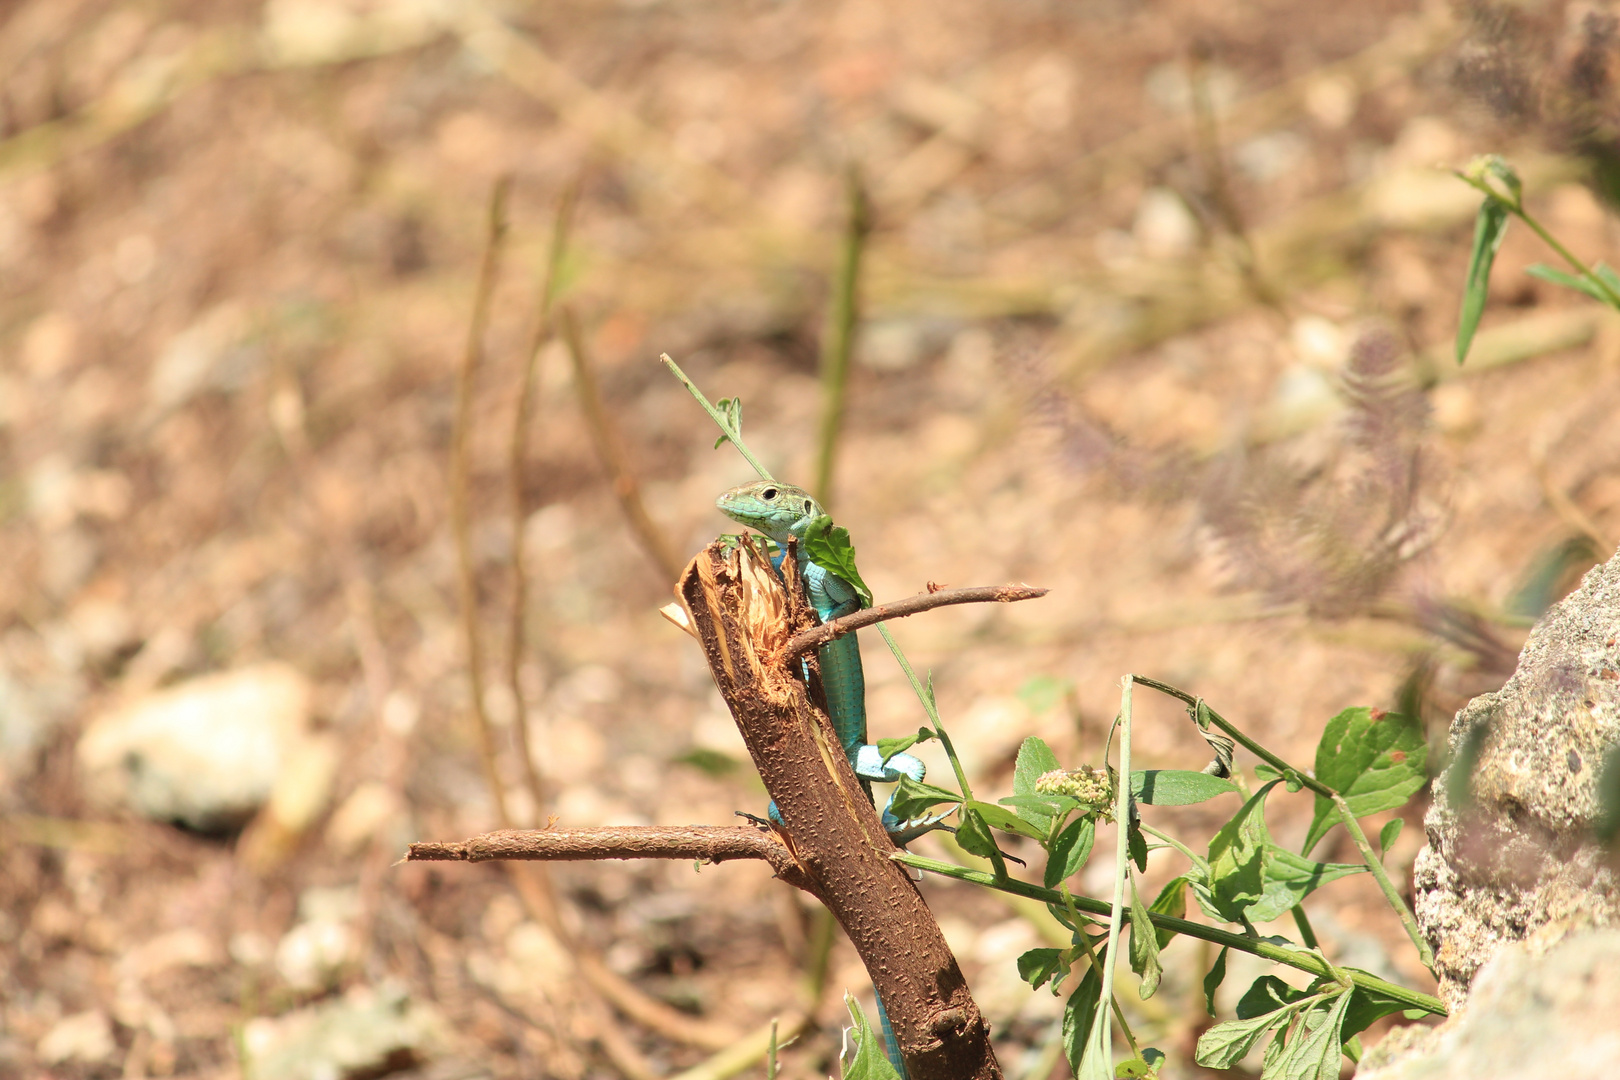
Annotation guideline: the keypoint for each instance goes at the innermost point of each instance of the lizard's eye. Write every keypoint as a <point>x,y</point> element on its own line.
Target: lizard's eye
<point>768,494</point>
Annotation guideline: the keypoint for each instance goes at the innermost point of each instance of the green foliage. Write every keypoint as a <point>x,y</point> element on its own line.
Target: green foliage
<point>1080,1015</point>
<point>1213,980</point>
<point>731,409</point>
<point>1374,759</point>
<point>866,1061</point>
<point>1039,966</point>
<point>1388,834</point>
<point>1177,787</point>
<point>914,798</point>
<point>890,747</point>
<point>829,547</point>
<point>1489,228</point>
<point>1144,946</point>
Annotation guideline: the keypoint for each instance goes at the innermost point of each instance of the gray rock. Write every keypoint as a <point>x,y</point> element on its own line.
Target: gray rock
<point>1529,1015</point>
<point>1519,858</point>
<point>1518,899</point>
<point>206,753</point>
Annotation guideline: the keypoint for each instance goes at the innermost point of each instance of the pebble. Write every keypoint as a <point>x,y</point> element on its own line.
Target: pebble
<point>206,753</point>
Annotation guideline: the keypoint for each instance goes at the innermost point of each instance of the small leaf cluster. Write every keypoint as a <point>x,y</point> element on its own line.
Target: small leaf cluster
<point>1372,760</point>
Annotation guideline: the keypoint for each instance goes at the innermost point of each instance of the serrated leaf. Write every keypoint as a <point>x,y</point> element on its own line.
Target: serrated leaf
<point>1079,1014</point>
<point>1288,878</point>
<point>1177,787</point>
<point>868,1061</point>
<point>913,798</point>
<point>1213,980</point>
<point>1313,1053</point>
<point>1035,759</point>
<point>1037,966</point>
<point>1070,850</point>
<point>1375,760</point>
<point>1489,228</point>
<point>1005,820</point>
<point>1172,900</point>
<point>1224,1045</point>
<point>1236,854</point>
<point>1144,946</point>
<point>829,547</point>
<point>1388,835</point>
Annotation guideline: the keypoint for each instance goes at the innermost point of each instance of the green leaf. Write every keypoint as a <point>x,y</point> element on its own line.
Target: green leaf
<point>867,1061</point>
<point>1039,965</point>
<point>1568,281</point>
<point>1070,850</point>
<point>1172,900</point>
<point>912,798</point>
<point>1224,1045</point>
<point>1288,878</point>
<point>890,747</point>
<point>1051,806</point>
<point>1005,820</point>
<point>1041,692</point>
<point>1079,1014</point>
<point>1265,995</point>
<point>829,547</point>
<point>731,409</point>
<point>973,835</point>
<point>1177,787</point>
<point>1489,228</point>
<point>1137,844</point>
<point>1374,759</point>
<point>1213,980</point>
<point>1388,835</point>
<point>1144,946</point>
<point>1236,857</point>
<point>1367,1006</point>
<point>1313,1054</point>
<point>1035,759</point>
<point>1144,1067</point>
<point>1097,1063</point>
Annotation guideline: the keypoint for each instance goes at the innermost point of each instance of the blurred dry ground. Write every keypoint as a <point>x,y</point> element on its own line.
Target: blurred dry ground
<point>1157,312</point>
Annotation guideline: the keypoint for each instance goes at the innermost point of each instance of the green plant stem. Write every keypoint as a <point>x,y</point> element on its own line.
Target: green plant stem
<point>1580,267</point>
<point>1084,939</point>
<point>1307,933</point>
<point>719,418</point>
<point>1294,958</point>
<point>1515,206</point>
<point>839,342</point>
<point>1122,857</point>
<point>925,694</point>
<point>1346,818</point>
<point>1385,885</point>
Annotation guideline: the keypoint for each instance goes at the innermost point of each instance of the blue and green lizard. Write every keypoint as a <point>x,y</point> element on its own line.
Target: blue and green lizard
<point>781,511</point>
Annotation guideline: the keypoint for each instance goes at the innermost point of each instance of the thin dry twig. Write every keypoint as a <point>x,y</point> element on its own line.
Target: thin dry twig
<point>708,843</point>
<point>516,644</point>
<point>816,637</point>
<point>460,523</point>
<point>611,450</point>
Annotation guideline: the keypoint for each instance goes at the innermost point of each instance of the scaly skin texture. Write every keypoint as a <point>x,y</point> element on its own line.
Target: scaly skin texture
<point>780,511</point>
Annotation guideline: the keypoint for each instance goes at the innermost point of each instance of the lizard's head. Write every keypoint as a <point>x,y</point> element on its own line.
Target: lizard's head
<point>777,510</point>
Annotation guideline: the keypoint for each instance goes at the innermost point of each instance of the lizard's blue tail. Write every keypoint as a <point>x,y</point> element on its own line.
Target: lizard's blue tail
<point>891,1046</point>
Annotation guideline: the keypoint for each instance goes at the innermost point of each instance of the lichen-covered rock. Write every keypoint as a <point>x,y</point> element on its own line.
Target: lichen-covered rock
<point>1518,860</point>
